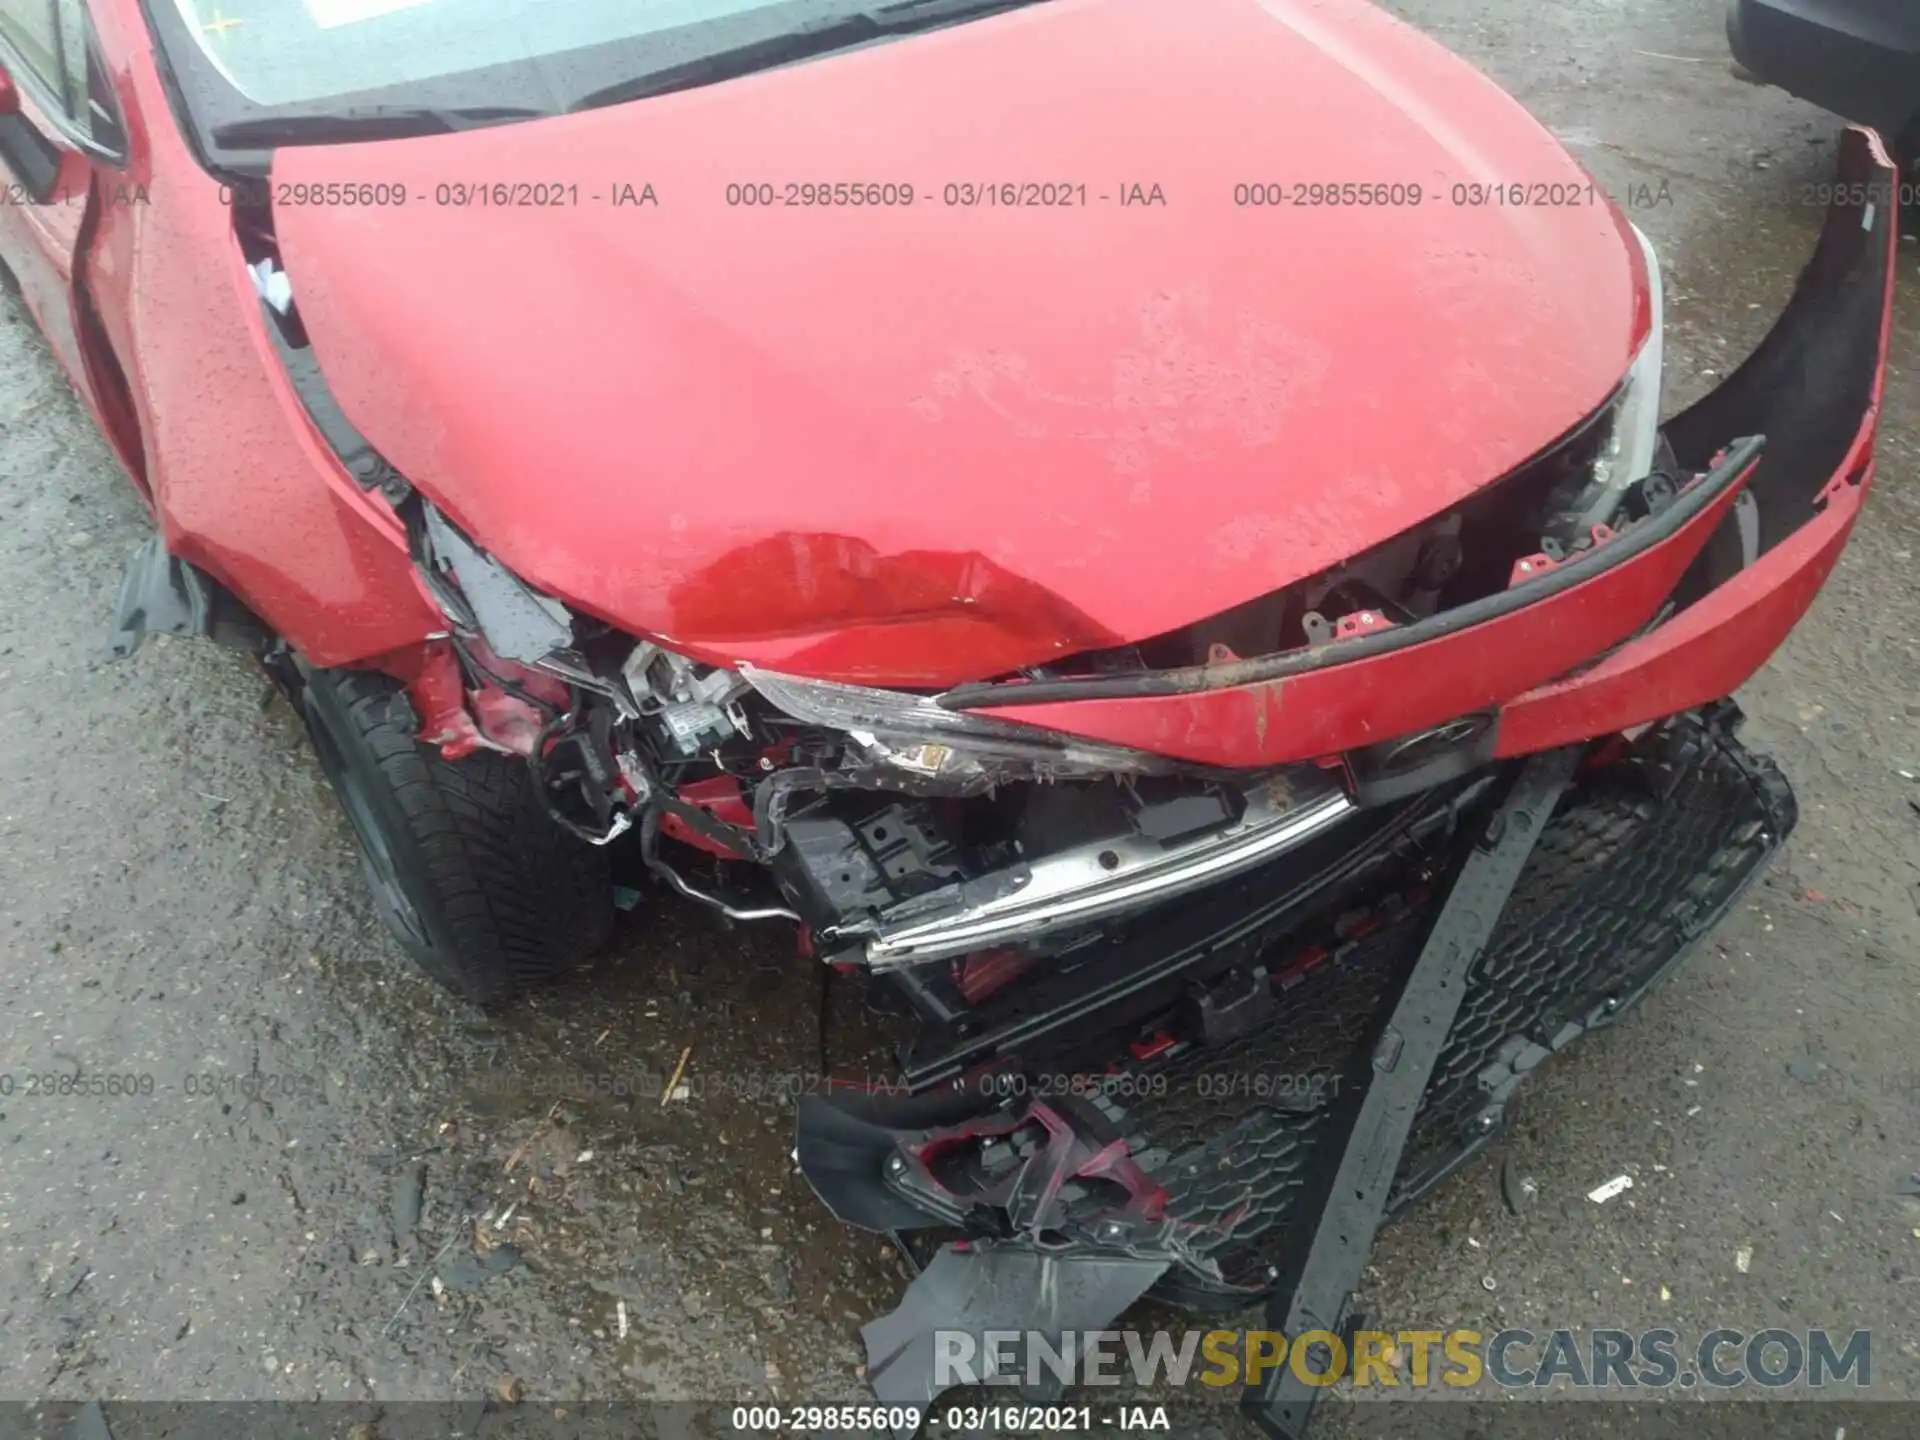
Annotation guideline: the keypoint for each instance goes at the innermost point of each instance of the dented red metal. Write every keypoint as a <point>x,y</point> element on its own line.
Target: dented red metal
<point>462,713</point>
<point>929,443</point>
<point>934,442</point>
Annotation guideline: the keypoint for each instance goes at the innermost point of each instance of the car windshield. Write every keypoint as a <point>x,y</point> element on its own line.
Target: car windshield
<point>281,52</point>
<point>267,68</point>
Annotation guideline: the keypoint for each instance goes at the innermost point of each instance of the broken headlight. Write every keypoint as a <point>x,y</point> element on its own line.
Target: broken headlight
<point>1633,430</point>
<point>914,735</point>
<point>694,707</point>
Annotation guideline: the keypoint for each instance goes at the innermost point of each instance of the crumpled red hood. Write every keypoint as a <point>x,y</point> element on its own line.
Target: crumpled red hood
<point>919,444</point>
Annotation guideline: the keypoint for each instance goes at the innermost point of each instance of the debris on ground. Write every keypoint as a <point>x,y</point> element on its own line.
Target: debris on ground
<point>509,1390</point>
<point>1743,1259</point>
<point>673,1083</point>
<point>467,1271</point>
<point>1520,1190</point>
<point>1600,1194</point>
<point>521,1149</point>
<point>409,1194</point>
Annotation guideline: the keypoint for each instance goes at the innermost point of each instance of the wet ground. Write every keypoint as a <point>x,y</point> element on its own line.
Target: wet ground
<point>312,1128</point>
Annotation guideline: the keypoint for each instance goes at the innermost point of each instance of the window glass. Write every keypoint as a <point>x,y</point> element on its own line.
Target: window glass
<point>71,16</point>
<point>279,52</point>
<point>32,29</point>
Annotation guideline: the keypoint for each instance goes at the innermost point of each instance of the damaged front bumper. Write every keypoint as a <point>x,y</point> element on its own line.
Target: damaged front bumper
<point>1670,612</point>
<point>1217,1103</point>
<point>1675,611</point>
<point>1195,1152</point>
<point>908,830</point>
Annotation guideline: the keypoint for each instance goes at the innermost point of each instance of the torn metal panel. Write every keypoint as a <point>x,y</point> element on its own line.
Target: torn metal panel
<point>438,695</point>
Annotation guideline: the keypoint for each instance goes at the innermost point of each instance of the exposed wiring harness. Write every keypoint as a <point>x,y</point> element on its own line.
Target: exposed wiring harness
<point>477,671</point>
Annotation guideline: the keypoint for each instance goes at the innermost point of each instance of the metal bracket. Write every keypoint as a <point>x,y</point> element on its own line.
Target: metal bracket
<point>1403,1059</point>
<point>1552,555</point>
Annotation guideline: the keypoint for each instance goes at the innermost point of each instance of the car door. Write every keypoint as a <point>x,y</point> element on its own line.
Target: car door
<point>64,125</point>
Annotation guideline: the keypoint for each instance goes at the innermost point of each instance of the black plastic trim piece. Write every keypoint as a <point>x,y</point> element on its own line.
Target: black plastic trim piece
<point>1722,718</point>
<point>1737,458</point>
<point>1811,381</point>
<point>165,595</point>
<point>1408,764</point>
<point>1403,1059</point>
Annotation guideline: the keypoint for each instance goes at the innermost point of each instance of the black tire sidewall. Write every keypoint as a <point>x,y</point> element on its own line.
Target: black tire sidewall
<point>356,778</point>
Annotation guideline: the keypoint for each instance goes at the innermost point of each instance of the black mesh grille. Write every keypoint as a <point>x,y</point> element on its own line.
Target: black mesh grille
<point>1620,883</point>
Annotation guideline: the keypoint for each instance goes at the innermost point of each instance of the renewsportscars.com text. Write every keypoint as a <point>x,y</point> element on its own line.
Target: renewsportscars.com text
<point>1720,1359</point>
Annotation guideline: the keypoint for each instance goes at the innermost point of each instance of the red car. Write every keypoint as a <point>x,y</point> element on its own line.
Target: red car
<point>1085,506</point>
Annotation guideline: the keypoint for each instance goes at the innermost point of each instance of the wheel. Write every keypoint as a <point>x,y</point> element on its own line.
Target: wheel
<point>480,887</point>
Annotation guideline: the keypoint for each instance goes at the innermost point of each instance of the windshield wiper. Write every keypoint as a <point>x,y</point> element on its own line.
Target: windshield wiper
<point>878,22</point>
<point>368,122</point>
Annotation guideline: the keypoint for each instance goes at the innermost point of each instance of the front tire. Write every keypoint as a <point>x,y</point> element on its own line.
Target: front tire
<point>481,888</point>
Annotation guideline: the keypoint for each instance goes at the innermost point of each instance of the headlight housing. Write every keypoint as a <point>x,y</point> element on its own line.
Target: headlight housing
<point>696,706</point>
<point>914,735</point>
<point>1633,437</point>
